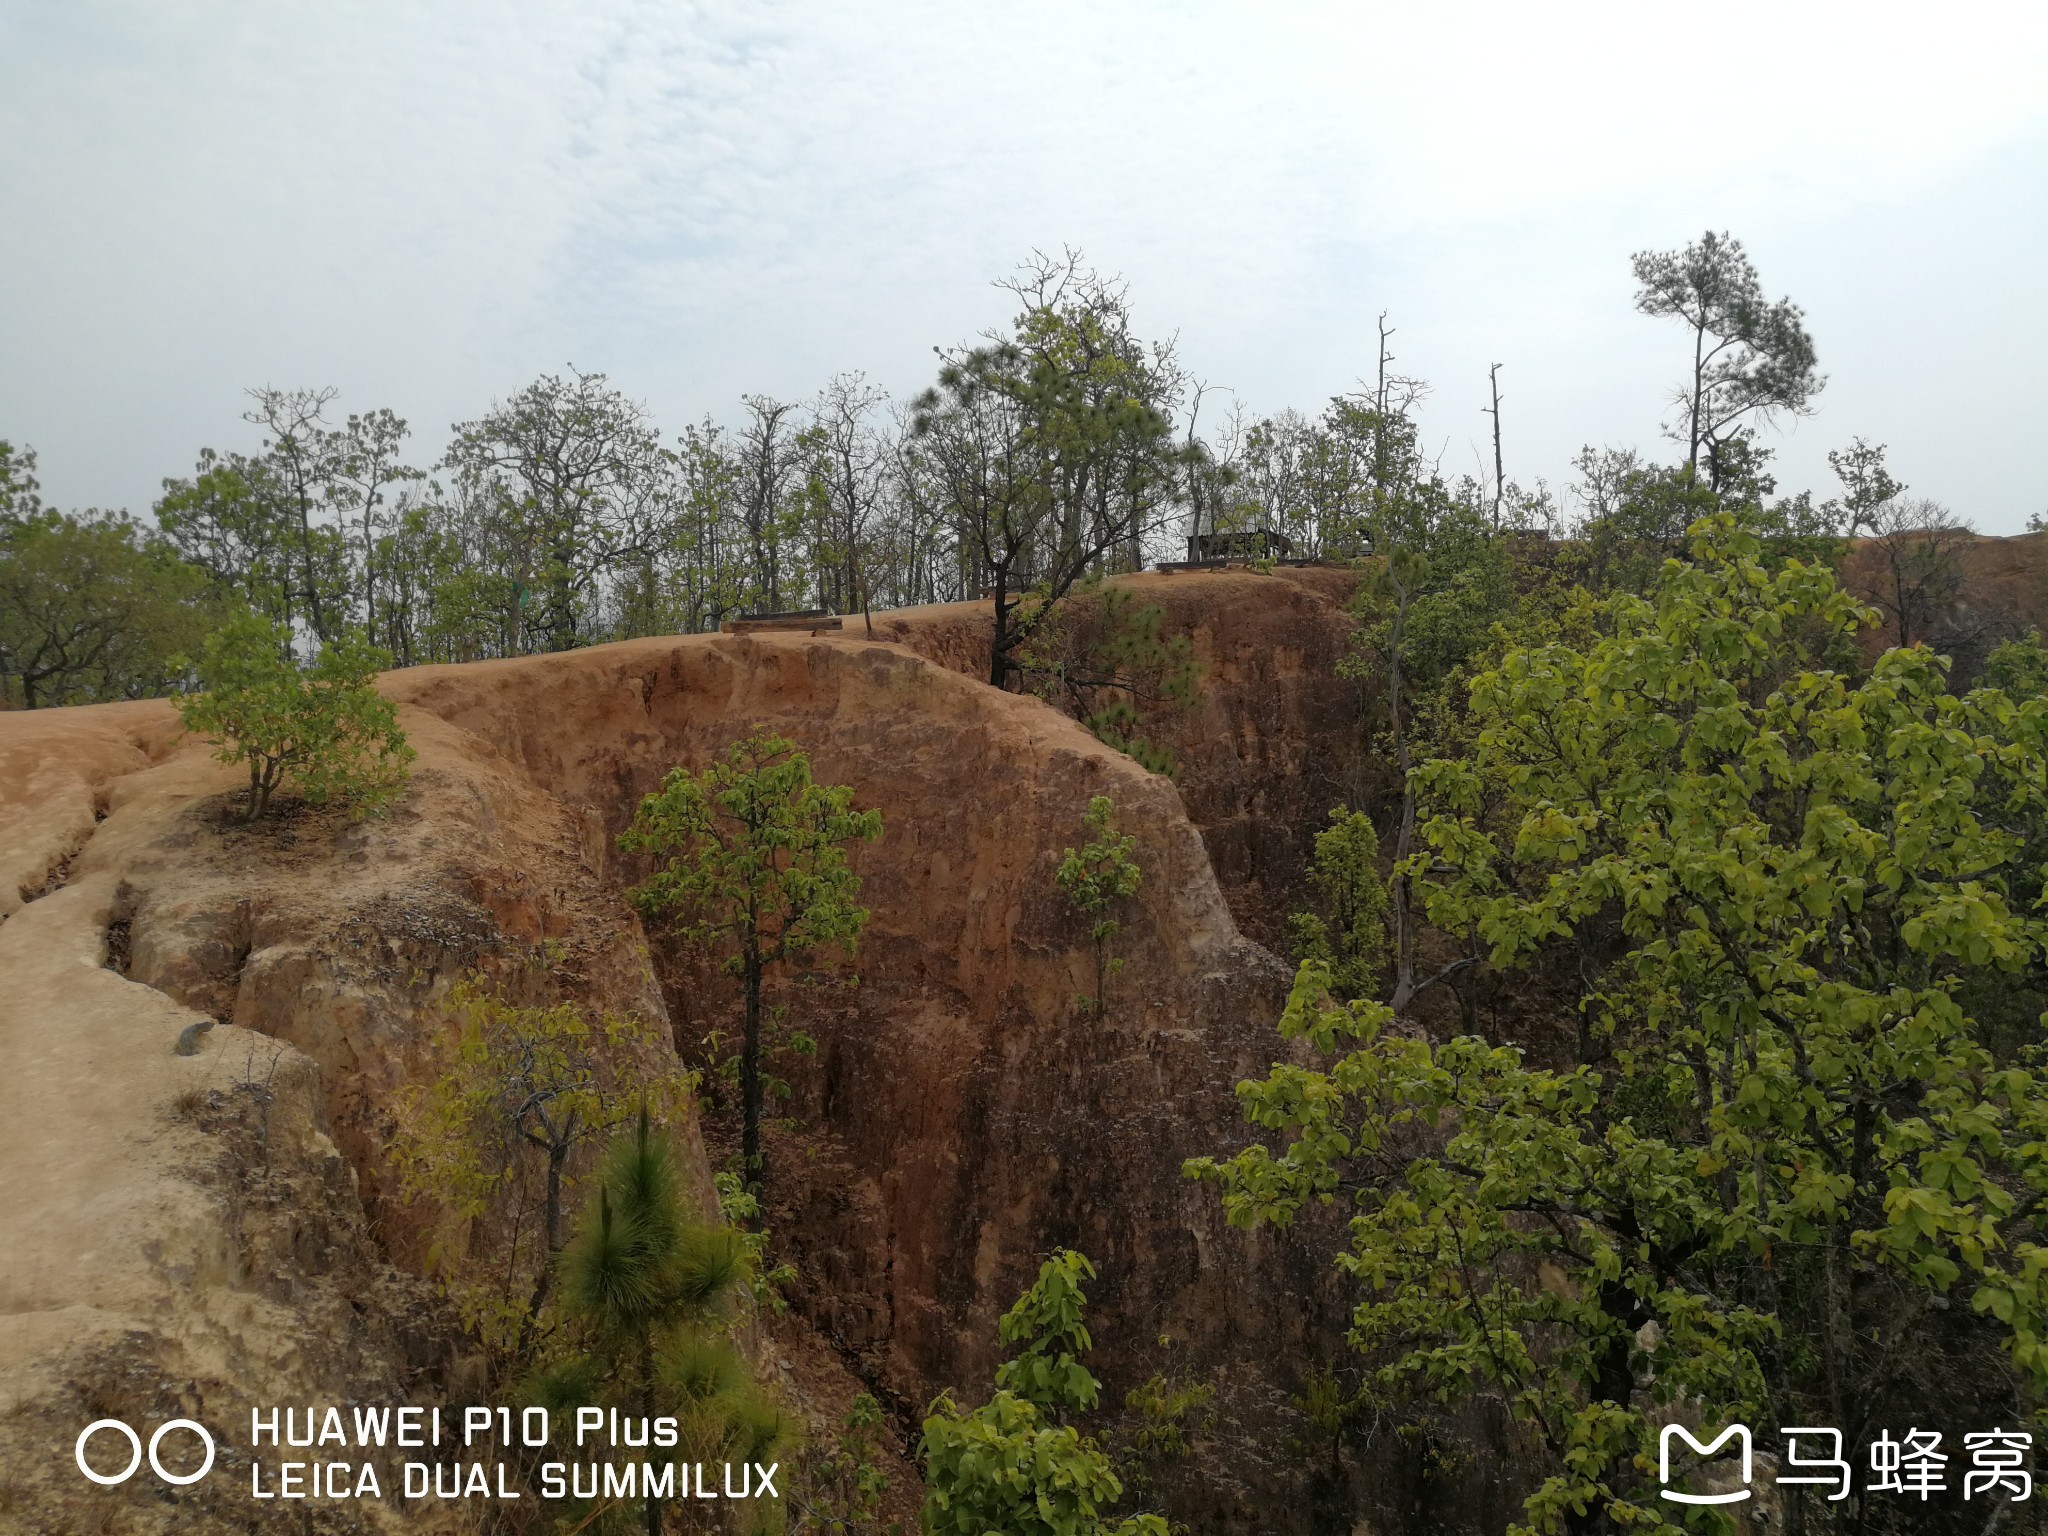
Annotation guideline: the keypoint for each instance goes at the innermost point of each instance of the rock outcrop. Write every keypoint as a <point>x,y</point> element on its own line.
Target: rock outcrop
<point>1962,593</point>
<point>183,1237</point>
<point>1275,736</point>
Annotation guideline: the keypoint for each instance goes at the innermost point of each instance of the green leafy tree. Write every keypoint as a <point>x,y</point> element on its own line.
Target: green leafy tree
<point>1804,1115</point>
<point>565,472</point>
<point>1752,360</point>
<point>323,728</point>
<point>1015,1466</point>
<point>1638,513</point>
<point>1866,484</point>
<point>1166,1416</point>
<point>297,477</point>
<point>91,608</point>
<point>230,519</point>
<point>1099,878</point>
<point>752,863</point>
<point>489,1141</point>
<point>20,495</point>
<point>1426,602</point>
<point>1349,934</point>
<point>436,600</point>
<point>848,478</point>
<point>1052,447</point>
<point>367,472</point>
<point>2019,668</point>
<point>647,1295</point>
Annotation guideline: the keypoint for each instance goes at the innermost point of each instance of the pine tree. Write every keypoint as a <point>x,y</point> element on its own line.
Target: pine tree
<point>755,865</point>
<point>646,1291</point>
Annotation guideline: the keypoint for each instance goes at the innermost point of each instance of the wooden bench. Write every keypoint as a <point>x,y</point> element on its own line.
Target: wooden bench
<point>811,620</point>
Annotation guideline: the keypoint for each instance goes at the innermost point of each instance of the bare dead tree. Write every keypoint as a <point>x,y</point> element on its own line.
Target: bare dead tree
<point>1499,474</point>
<point>851,460</point>
<point>1917,542</point>
<point>768,456</point>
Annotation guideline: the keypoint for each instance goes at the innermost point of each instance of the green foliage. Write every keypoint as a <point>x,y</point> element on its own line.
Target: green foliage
<point>742,1212</point>
<point>92,607</point>
<point>1166,1413</point>
<point>2019,668</point>
<point>1051,448</point>
<point>1098,878</point>
<point>1637,516</point>
<point>20,497</point>
<point>1441,582</point>
<point>1429,599</point>
<point>487,1142</point>
<point>754,854</point>
<point>752,865</point>
<point>841,1486</point>
<point>1440,576</point>
<point>646,1299</point>
<point>560,471</point>
<point>1785,1138</point>
<point>1752,360</point>
<point>1045,1323</point>
<point>231,520</point>
<point>1124,665</point>
<point>1349,935</point>
<point>1867,485</point>
<point>1014,1467</point>
<point>1638,513</point>
<point>324,729</point>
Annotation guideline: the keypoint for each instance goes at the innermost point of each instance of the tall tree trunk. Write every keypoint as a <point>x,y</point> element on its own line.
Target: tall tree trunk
<point>999,643</point>
<point>558,1157</point>
<point>369,567</point>
<point>316,610</point>
<point>1499,475</point>
<point>1699,363</point>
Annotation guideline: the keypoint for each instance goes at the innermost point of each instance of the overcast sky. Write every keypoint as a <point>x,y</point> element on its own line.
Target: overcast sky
<point>427,205</point>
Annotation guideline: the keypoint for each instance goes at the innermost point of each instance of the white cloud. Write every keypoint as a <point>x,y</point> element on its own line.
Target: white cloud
<point>428,204</point>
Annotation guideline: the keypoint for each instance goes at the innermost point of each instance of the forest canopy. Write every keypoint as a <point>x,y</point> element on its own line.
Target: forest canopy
<point>1062,446</point>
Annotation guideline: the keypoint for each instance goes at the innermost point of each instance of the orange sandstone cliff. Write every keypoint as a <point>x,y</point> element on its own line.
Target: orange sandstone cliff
<point>199,1233</point>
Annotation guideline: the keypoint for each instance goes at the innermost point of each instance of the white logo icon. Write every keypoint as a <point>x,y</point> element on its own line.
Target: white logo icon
<point>175,1479</point>
<point>1736,1432</point>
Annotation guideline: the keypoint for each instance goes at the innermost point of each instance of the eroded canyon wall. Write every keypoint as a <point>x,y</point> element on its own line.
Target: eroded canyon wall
<point>1274,737</point>
<point>966,1115</point>
<point>963,1115</point>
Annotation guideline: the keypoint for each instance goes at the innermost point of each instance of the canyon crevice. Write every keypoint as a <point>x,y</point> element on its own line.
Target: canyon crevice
<point>962,1116</point>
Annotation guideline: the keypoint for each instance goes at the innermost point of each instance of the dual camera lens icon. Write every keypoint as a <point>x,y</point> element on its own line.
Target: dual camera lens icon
<point>175,1479</point>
